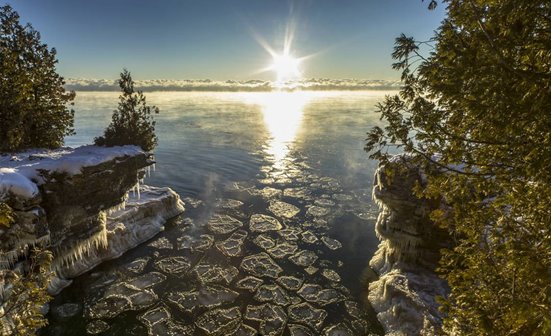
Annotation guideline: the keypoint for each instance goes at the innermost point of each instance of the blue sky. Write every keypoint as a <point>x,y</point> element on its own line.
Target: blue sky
<point>185,39</point>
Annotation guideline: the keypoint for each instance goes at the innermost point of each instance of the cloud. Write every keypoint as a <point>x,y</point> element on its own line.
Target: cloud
<point>314,84</point>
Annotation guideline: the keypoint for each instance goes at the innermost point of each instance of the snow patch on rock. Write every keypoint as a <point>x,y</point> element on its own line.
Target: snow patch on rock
<point>20,173</point>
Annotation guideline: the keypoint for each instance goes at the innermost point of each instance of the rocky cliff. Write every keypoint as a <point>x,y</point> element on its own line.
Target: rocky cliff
<point>86,205</point>
<point>404,296</point>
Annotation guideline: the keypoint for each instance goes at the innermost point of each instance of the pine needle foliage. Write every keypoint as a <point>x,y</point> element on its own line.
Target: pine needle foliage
<point>132,122</point>
<point>33,102</point>
<point>22,311</point>
<point>475,113</point>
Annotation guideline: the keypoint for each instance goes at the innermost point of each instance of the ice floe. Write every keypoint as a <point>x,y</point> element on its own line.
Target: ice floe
<point>272,318</point>
<point>249,283</point>
<point>220,321</point>
<point>272,293</point>
<point>283,210</point>
<point>290,282</point>
<point>304,258</point>
<point>173,265</point>
<point>214,273</point>
<point>223,224</point>
<point>197,244</point>
<point>331,243</point>
<point>307,314</point>
<point>264,223</point>
<point>205,297</point>
<point>314,293</point>
<point>261,265</point>
<point>233,246</point>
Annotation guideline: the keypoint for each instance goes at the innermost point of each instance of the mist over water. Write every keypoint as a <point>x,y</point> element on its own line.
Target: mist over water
<point>301,148</point>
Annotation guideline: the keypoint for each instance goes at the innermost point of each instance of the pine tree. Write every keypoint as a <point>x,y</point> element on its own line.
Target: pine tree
<point>132,122</point>
<point>475,113</point>
<point>33,101</point>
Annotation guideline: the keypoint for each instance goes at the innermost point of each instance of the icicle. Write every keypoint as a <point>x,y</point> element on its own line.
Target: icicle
<point>148,170</point>
<point>72,255</point>
<point>138,189</point>
<point>153,167</point>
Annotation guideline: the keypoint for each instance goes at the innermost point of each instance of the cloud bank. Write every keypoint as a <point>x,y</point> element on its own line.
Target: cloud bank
<point>314,84</point>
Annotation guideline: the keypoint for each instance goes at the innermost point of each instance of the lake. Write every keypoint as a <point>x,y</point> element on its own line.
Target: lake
<point>290,160</point>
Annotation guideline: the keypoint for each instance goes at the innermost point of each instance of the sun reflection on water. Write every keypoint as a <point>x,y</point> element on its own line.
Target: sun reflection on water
<point>283,112</point>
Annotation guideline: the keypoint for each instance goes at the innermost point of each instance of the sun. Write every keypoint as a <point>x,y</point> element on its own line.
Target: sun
<point>285,66</point>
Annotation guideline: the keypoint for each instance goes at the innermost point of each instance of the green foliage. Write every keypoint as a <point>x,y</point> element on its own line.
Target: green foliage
<point>27,295</point>
<point>33,101</point>
<point>6,215</point>
<point>476,114</point>
<point>132,122</point>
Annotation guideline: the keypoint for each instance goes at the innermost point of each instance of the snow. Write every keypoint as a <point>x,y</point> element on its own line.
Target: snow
<point>20,172</point>
<point>12,182</point>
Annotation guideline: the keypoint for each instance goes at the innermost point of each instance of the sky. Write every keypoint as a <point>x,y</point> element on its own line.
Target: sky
<point>199,39</point>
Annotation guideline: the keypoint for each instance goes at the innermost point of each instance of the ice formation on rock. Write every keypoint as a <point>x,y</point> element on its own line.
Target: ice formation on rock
<point>75,201</point>
<point>142,219</point>
<point>404,296</point>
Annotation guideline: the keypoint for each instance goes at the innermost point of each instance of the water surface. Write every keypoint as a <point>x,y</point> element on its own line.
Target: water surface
<point>295,157</point>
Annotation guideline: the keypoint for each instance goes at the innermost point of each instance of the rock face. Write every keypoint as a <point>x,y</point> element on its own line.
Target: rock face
<point>140,220</point>
<point>84,204</point>
<point>75,204</point>
<point>404,295</point>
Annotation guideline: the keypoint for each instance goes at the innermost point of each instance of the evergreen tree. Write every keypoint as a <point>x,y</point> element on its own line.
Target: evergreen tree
<point>476,114</point>
<point>132,122</point>
<point>33,101</point>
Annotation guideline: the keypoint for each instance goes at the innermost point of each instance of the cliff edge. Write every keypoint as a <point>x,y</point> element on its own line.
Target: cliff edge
<point>84,204</point>
<point>404,296</point>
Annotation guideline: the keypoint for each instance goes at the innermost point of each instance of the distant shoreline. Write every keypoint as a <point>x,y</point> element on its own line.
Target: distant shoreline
<point>98,85</point>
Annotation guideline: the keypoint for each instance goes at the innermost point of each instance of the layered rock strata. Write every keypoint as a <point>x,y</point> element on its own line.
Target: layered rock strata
<point>404,296</point>
<point>86,205</point>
